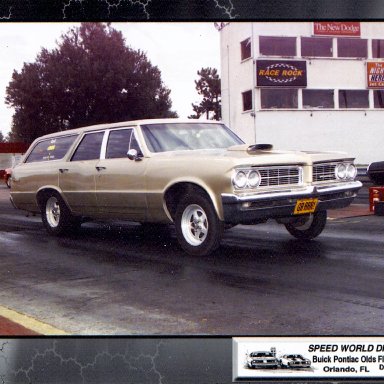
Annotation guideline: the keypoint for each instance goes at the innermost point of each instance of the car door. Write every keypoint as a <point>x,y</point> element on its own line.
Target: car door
<point>77,176</point>
<point>120,182</point>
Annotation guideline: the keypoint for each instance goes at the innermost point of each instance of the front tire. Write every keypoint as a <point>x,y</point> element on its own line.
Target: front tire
<point>56,216</point>
<point>310,229</point>
<point>8,182</point>
<point>198,228</point>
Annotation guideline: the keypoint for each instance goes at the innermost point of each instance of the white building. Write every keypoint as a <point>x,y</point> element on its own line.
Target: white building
<point>306,85</point>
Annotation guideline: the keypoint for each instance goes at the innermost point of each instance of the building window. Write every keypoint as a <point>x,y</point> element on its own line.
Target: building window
<point>277,46</point>
<point>245,49</point>
<point>352,98</point>
<point>377,49</point>
<point>318,98</point>
<point>316,47</point>
<point>278,98</point>
<point>247,101</point>
<point>347,47</point>
<point>378,99</point>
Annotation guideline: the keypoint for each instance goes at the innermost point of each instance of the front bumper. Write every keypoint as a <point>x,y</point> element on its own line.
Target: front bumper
<point>258,207</point>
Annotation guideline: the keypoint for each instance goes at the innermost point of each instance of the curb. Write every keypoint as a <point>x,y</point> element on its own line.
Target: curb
<point>22,324</point>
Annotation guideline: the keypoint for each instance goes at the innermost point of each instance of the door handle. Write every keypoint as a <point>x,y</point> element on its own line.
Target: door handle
<point>62,170</point>
<point>100,168</point>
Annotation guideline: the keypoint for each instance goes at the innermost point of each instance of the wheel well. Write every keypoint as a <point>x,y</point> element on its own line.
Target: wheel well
<point>41,195</point>
<point>177,191</point>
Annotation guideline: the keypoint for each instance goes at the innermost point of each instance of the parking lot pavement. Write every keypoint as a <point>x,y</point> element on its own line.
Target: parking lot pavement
<point>354,210</point>
<point>17,324</point>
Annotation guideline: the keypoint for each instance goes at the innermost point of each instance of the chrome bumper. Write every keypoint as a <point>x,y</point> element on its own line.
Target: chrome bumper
<point>261,206</point>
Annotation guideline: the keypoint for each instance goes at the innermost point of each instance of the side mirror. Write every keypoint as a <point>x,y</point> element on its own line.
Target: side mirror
<point>133,155</point>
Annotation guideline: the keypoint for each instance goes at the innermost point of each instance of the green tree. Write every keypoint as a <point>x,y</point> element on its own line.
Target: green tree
<point>1,137</point>
<point>91,77</point>
<point>208,86</point>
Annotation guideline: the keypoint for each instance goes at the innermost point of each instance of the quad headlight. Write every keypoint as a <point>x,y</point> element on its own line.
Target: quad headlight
<point>246,178</point>
<point>351,171</point>
<point>345,171</point>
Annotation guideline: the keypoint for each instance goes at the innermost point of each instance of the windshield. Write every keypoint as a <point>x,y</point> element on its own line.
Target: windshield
<point>188,136</point>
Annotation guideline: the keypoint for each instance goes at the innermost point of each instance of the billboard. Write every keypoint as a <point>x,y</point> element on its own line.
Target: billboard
<point>281,73</point>
<point>375,74</point>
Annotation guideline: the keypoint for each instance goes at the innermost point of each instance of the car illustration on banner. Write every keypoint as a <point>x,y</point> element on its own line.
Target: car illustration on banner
<point>262,359</point>
<point>294,361</point>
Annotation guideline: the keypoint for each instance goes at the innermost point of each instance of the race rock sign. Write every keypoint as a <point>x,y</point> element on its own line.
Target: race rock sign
<point>375,75</point>
<point>281,73</point>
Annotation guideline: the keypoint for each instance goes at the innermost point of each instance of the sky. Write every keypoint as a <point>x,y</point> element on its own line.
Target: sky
<point>179,50</point>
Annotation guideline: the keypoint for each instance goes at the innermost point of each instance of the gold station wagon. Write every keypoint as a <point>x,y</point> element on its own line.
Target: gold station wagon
<point>197,175</point>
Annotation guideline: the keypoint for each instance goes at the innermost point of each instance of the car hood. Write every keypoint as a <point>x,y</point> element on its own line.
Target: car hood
<point>250,151</point>
<point>245,155</point>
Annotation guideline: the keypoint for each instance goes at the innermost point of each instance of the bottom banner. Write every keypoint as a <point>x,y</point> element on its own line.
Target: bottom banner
<point>319,358</point>
<point>191,360</point>
<point>128,360</point>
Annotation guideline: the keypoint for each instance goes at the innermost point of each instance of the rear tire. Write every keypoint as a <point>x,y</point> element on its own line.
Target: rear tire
<point>198,228</point>
<point>8,182</point>
<point>311,229</point>
<point>56,215</point>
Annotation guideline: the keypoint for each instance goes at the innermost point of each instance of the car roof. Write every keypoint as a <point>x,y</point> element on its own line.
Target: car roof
<point>127,123</point>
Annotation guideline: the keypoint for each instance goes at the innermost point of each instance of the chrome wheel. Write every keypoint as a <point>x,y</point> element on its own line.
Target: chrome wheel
<point>198,228</point>
<point>194,224</point>
<point>52,211</point>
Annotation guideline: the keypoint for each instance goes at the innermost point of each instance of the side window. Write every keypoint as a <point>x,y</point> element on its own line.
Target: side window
<point>318,98</point>
<point>120,141</point>
<point>378,99</point>
<point>377,48</point>
<point>353,98</point>
<point>348,47</point>
<point>277,46</point>
<point>245,48</point>
<point>247,101</point>
<point>279,98</point>
<point>316,47</point>
<point>135,144</point>
<point>89,147</point>
<point>51,149</point>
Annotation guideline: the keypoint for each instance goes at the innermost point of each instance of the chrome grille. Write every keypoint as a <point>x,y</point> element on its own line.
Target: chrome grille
<point>274,176</point>
<point>324,172</point>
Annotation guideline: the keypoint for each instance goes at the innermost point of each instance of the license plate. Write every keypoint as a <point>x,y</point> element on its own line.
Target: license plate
<point>305,206</point>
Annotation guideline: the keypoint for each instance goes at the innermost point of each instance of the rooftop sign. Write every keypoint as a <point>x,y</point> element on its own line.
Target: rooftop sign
<point>337,28</point>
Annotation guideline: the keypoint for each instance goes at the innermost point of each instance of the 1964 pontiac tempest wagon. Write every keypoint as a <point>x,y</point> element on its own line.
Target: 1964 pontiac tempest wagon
<point>198,175</point>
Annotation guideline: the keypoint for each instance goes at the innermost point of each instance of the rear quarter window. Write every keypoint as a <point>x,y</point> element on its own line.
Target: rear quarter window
<point>51,149</point>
